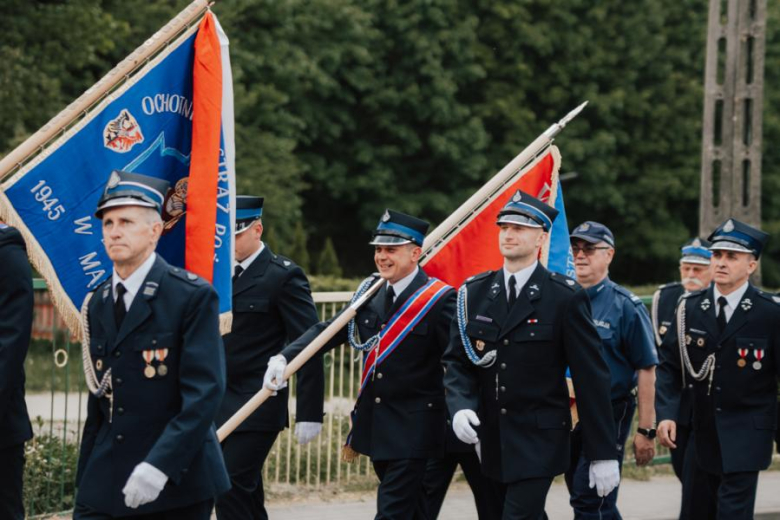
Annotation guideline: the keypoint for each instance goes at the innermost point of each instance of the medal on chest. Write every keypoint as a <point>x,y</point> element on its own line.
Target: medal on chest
<point>160,354</point>
<point>759,355</point>
<point>149,371</point>
<point>742,362</point>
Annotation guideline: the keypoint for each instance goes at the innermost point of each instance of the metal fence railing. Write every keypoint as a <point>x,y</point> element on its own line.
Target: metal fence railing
<point>56,398</point>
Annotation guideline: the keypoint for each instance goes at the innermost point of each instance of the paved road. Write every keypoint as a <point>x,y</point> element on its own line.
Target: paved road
<point>657,499</point>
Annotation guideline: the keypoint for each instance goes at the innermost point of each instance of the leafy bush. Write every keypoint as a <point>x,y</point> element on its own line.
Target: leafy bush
<point>50,472</point>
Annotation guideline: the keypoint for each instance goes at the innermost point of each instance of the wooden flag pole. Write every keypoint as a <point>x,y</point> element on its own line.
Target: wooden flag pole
<point>436,236</point>
<point>80,106</point>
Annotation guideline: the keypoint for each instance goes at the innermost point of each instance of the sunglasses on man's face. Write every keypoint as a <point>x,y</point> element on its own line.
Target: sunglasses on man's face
<point>588,250</point>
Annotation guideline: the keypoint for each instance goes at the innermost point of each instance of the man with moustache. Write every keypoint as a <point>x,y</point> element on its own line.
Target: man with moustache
<point>399,418</point>
<point>726,342</point>
<point>272,304</point>
<point>626,335</point>
<point>516,331</point>
<point>695,275</point>
<point>155,368</point>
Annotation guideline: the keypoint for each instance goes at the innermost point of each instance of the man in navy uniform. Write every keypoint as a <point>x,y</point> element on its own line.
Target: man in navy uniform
<point>399,419</point>
<point>272,305</point>
<point>728,347</point>
<point>626,334</point>
<point>695,275</point>
<point>155,368</point>
<point>16,315</point>
<point>516,331</point>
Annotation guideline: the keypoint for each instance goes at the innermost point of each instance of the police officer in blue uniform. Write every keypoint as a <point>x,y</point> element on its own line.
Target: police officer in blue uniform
<point>726,341</point>
<point>399,418</point>
<point>626,334</point>
<point>155,368</point>
<point>16,315</point>
<point>695,275</point>
<point>516,331</point>
<point>272,305</point>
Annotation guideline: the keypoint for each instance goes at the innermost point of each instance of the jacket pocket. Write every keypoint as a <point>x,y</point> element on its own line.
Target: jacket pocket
<point>553,419</point>
<point>764,422</point>
<point>248,304</point>
<point>487,332</point>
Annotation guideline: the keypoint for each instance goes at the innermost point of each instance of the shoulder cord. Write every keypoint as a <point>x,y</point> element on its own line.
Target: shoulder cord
<point>462,313</point>
<point>104,387</point>
<point>352,335</point>
<point>654,314</point>
<point>707,368</point>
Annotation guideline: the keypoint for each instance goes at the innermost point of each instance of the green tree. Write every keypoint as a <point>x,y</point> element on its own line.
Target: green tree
<point>298,249</point>
<point>328,262</point>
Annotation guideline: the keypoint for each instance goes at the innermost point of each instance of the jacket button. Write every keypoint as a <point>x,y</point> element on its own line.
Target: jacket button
<point>378,400</point>
<point>533,334</point>
<point>503,411</point>
<point>503,389</point>
<point>718,410</point>
<point>717,388</point>
<point>506,342</point>
<point>251,305</point>
<point>690,385</point>
<point>365,321</point>
<point>154,342</point>
<point>430,405</point>
<point>120,438</point>
<point>100,348</point>
<point>117,353</point>
<point>503,366</point>
<point>119,380</point>
<point>120,411</point>
<point>379,375</point>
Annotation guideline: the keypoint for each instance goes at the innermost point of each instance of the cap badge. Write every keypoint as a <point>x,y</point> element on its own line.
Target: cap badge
<point>696,242</point>
<point>386,216</point>
<point>584,227</point>
<point>705,304</point>
<point>517,197</point>
<point>729,226</point>
<point>113,180</point>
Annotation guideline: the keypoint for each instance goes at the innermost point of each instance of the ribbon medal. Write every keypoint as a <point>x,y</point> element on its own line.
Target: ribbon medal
<point>149,371</point>
<point>759,355</point>
<point>160,354</point>
<point>743,352</point>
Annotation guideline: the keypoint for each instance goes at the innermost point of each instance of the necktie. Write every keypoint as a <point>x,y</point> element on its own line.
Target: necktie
<point>237,272</point>
<point>722,303</point>
<point>119,306</point>
<point>512,291</point>
<point>389,296</point>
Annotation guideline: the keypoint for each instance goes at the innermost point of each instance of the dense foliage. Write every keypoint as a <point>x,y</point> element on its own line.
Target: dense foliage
<point>345,107</point>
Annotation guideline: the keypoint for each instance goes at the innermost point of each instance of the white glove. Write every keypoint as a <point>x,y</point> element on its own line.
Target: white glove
<point>461,425</point>
<point>144,485</point>
<point>274,375</point>
<point>306,431</point>
<point>604,475</point>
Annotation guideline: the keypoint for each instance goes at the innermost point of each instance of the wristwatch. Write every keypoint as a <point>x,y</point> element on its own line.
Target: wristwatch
<point>649,433</point>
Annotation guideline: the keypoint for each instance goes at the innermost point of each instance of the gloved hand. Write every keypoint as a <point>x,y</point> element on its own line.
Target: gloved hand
<point>274,375</point>
<point>144,485</point>
<point>604,475</point>
<point>306,431</point>
<point>461,425</point>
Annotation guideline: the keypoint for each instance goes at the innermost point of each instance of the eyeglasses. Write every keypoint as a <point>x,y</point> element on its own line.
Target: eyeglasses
<point>588,250</point>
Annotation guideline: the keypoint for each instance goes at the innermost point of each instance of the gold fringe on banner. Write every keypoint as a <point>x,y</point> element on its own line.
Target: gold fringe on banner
<point>225,323</point>
<point>348,454</point>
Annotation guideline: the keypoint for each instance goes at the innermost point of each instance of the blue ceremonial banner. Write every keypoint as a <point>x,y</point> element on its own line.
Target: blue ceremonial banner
<point>561,260</point>
<point>145,126</point>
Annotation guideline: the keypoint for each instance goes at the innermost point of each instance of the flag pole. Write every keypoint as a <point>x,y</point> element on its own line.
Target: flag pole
<point>80,106</point>
<point>442,232</point>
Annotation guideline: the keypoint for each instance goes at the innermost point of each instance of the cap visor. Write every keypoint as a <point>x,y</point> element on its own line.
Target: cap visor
<point>730,246</point>
<point>694,260</point>
<point>123,201</point>
<point>588,238</point>
<point>388,240</point>
<point>518,220</point>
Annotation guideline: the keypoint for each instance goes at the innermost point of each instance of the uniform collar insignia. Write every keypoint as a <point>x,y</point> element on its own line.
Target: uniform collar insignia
<point>746,304</point>
<point>705,304</point>
<point>570,282</point>
<point>150,289</point>
<point>106,289</point>
<point>495,286</point>
<point>729,227</point>
<point>535,287</point>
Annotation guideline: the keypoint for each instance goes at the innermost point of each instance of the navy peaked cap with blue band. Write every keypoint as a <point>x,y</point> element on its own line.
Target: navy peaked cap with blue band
<point>248,210</point>
<point>593,232</point>
<point>396,228</point>
<point>734,235</point>
<point>132,189</point>
<point>696,251</point>
<point>526,210</point>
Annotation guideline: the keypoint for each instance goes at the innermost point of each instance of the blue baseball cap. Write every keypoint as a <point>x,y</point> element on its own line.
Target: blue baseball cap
<point>696,251</point>
<point>132,189</point>
<point>526,210</point>
<point>594,233</point>
<point>734,235</point>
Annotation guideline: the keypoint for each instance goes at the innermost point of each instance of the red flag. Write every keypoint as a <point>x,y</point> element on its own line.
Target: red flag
<point>204,161</point>
<point>474,248</point>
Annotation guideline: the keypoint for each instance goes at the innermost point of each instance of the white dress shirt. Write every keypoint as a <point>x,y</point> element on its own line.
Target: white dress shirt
<point>133,282</point>
<point>401,285</point>
<point>246,262</point>
<point>732,299</point>
<point>521,277</point>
